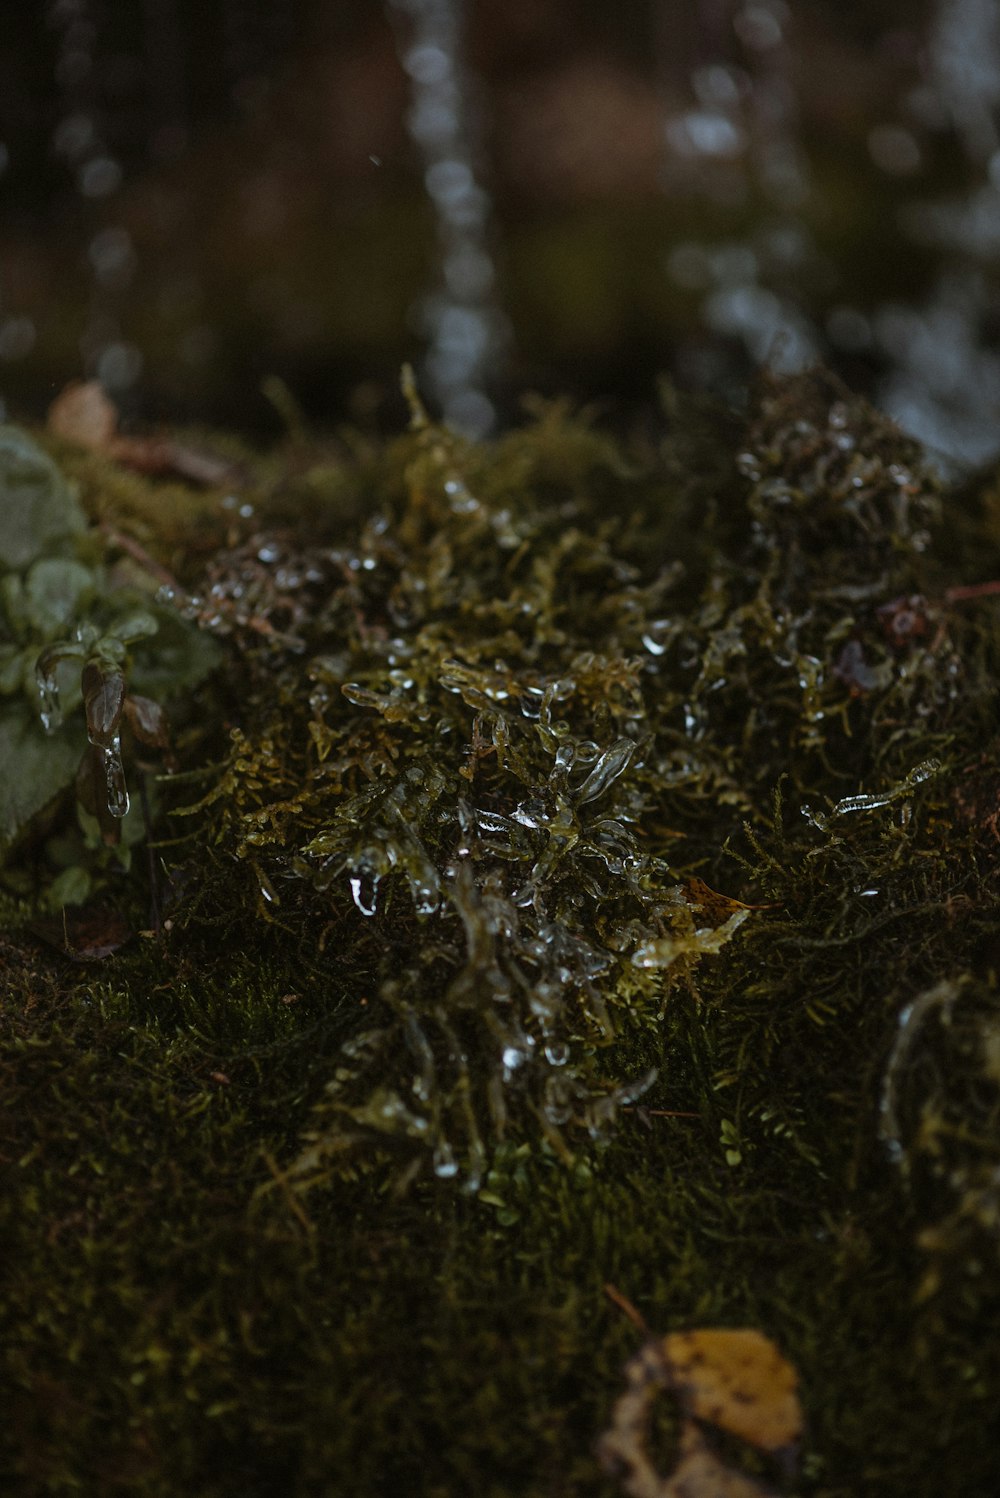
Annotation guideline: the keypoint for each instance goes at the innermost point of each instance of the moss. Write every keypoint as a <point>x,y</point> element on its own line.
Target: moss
<point>227,1262</point>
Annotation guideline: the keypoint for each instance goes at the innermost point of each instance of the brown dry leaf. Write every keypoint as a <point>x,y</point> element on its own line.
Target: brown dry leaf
<point>717,907</point>
<point>736,1380</point>
<point>82,413</point>
<point>147,721</point>
<point>86,934</point>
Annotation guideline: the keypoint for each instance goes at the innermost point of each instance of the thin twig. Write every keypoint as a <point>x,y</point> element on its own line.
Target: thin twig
<point>281,1181</point>
<point>971,590</point>
<point>627,1308</point>
<point>657,1112</point>
<point>139,554</point>
<point>154,897</point>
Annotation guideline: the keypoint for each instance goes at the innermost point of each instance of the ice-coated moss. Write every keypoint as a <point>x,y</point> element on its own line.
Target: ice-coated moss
<point>667,767</point>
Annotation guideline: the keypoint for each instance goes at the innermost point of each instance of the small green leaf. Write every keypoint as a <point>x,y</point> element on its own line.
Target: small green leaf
<point>729,1138</point>
<point>36,503</point>
<point>11,669</point>
<point>54,590</point>
<point>71,887</point>
<point>178,658</point>
<point>137,625</point>
<point>45,765</point>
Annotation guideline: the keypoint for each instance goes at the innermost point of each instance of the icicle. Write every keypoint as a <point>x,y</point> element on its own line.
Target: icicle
<point>114,778</point>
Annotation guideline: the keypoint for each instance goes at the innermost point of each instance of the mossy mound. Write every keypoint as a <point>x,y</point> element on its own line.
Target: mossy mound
<point>449,1023</point>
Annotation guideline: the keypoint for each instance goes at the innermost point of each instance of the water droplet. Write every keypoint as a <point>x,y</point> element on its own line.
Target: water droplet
<point>512,1057</point>
<point>445,1164</point>
<point>114,778</point>
<point>462,502</point>
<point>557,1053</point>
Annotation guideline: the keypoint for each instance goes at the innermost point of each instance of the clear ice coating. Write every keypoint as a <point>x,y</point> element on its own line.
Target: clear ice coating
<point>114,778</point>
<point>364,892</point>
<point>49,707</point>
<point>872,800</point>
<point>104,701</point>
<point>612,763</point>
<point>942,998</point>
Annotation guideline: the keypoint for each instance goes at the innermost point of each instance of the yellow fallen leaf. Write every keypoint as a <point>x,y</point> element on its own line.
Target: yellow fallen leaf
<point>733,1379</point>
<point>737,1380</point>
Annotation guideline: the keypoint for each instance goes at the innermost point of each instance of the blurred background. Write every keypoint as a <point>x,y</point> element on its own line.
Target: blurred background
<point>553,195</point>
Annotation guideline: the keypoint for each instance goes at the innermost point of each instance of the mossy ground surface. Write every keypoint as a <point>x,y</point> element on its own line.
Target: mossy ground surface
<point>219,1272</point>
